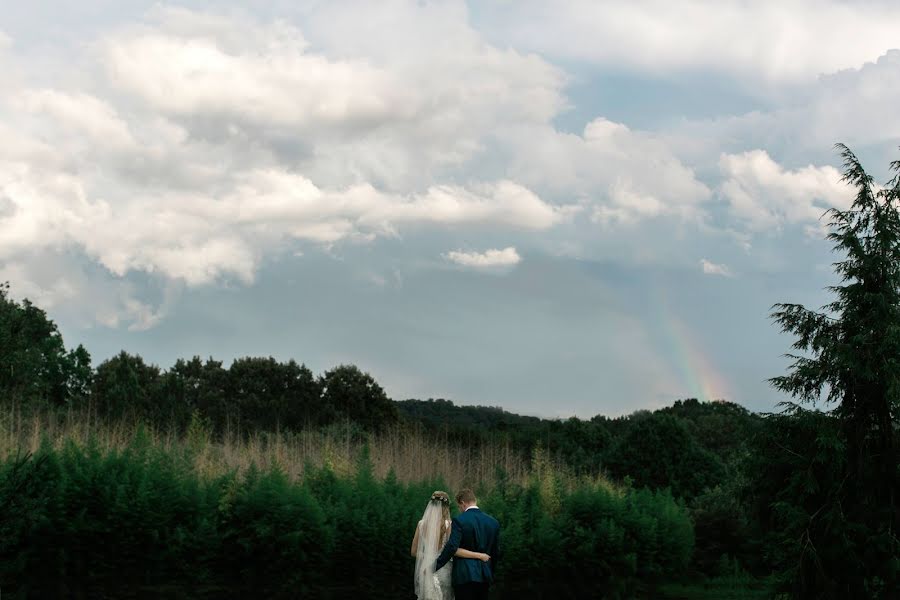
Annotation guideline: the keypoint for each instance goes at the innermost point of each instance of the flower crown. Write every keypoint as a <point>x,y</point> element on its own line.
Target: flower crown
<point>440,498</point>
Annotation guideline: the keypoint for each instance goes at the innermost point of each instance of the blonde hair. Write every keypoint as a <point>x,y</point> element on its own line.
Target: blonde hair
<point>444,499</point>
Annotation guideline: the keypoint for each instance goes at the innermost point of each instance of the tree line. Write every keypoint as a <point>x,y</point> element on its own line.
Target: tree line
<point>686,448</point>
<point>253,393</point>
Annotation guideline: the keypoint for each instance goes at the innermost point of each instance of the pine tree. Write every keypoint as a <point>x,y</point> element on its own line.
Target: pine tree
<point>853,364</point>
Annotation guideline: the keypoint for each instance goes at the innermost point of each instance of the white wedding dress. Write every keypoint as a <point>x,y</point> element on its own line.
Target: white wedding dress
<point>431,584</point>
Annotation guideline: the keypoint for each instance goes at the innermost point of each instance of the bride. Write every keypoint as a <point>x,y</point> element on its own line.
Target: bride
<point>431,534</point>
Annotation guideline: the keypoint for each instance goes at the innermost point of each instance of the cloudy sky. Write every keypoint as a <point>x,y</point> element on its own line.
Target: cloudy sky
<point>560,208</point>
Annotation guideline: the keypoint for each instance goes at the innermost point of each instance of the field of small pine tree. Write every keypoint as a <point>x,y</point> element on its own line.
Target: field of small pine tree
<point>92,510</point>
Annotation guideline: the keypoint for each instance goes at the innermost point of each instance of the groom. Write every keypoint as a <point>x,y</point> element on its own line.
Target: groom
<point>476,531</point>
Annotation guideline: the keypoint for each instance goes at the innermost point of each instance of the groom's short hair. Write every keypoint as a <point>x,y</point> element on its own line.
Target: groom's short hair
<point>465,496</point>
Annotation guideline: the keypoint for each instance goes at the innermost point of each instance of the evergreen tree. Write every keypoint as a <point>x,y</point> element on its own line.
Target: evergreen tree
<point>853,347</point>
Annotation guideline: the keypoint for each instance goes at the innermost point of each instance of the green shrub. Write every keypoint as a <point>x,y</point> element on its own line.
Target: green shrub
<point>87,522</point>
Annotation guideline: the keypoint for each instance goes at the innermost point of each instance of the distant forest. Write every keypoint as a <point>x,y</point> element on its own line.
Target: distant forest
<point>689,447</point>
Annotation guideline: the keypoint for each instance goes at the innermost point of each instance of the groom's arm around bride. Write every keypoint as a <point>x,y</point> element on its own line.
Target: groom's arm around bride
<point>477,531</point>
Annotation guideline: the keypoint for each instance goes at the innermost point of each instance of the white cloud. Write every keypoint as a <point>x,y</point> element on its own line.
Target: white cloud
<point>711,268</point>
<point>76,293</point>
<point>858,104</point>
<point>854,106</point>
<point>764,195</point>
<point>619,174</point>
<point>199,238</point>
<point>208,143</point>
<point>765,40</point>
<point>141,315</point>
<point>47,294</point>
<point>43,208</point>
<point>502,203</point>
<point>492,258</point>
<point>281,197</point>
<point>348,110</point>
<point>94,120</point>
<point>194,73</point>
<point>194,146</point>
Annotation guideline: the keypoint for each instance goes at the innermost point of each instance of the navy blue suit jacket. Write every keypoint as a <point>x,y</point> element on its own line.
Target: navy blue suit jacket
<point>476,531</point>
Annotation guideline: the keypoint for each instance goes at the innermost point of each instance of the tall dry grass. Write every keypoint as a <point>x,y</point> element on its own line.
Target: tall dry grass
<point>412,454</point>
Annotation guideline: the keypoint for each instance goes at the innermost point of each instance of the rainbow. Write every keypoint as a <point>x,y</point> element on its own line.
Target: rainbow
<point>693,370</point>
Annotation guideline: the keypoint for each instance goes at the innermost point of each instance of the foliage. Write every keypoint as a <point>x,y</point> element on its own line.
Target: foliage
<point>126,385</point>
<point>348,393</point>
<point>433,413</point>
<point>199,386</point>
<point>720,427</point>
<point>795,499</point>
<point>736,586</point>
<point>723,530</point>
<point>658,451</point>
<point>34,364</point>
<point>265,394</point>
<point>841,472</point>
<point>141,522</point>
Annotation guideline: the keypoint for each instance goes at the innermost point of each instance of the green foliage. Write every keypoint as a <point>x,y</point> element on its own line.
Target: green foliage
<point>126,385</point>
<point>737,586</point>
<point>140,522</point>
<point>796,497</point>
<point>274,539</point>
<point>199,386</point>
<point>198,433</point>
<point>837,500</point>
<point>720,427</point>
<point>437,413</point>
<point>580,444</point>
<point>34,364</point>
<point>659,451</point>
<point>723,530</point>
<point>350,394</point>
<point>265,394</point>
<point>598,542</point>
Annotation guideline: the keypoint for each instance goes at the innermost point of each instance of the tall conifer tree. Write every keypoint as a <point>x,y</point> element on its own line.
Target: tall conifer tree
<point>851,361</point>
